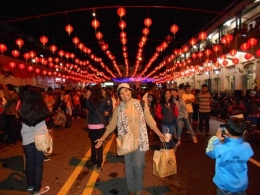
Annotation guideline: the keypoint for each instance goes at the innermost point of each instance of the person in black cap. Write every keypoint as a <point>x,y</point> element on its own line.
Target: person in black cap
<point>10,110</point>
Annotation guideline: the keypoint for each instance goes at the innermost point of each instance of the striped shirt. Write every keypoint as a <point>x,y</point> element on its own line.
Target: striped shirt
<point>203,99</point>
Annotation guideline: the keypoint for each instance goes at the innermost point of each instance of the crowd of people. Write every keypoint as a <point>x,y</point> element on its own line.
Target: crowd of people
<point>166,112</point>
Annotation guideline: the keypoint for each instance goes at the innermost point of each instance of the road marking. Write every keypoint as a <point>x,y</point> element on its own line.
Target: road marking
<point>93,177</point>
<point>66,187</point>
<point>254,162</point>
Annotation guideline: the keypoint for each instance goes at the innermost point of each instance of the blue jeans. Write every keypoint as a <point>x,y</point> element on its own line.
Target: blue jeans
<point>34,166</point>
<point>186,124</point>
<point>134,169</point>
<point>169,129</point>
<point>223,192</point>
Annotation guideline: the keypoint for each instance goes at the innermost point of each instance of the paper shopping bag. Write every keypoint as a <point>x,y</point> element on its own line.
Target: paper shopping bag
<point>164,162</point>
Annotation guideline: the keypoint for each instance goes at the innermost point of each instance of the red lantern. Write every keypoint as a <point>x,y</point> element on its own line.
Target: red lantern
<point>19,42</point>
<point>21,66</point>
<point>57,60</point>
<point>123,34</point>
<point>252,42</point>
<point>235,60</point>
<point>51,65</point>
<point>50,59</point>
<point>233,52</point>
<point>75,40</point>
<point>193,41</point>
<point>169,38</point>
<point>121,11</point>
<point>223,40</point>
<point>53,48</point>
<point>223,57</point>
<point>61,53</point>
<point>15,53</point>
<point>95,23</point>
<point>12,65</point>
<point>99,35</point>
<point>44,72</point>
<point>30,68</point>
<point>148,22</point>
<point>248,56</point>
<point>3,48</point>
<point>145,31</point>
<point>194,55</point>
<point>32,54</point>
<point>200,54</point>
<point>229,38</point>
<point>81,46</point>
<point>216,48</point>
<point>37,70</point>
<point>202,36</point>
<point>225,63</point>
<point>207,52</point>
<point>26,56</point>
<point>244,47</point>
<point>72,55</point>
<point>122,24</point>
<point>44,40</point>
<point>69,29</point>
<point>185,48</point>
<point>174,29</point>
<point>258,53</point>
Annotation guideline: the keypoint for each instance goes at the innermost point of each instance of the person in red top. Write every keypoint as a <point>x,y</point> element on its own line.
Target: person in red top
<point>76,103</point>
<point>167,112</point>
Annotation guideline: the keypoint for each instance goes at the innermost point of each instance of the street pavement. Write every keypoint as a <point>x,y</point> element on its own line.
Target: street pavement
<point>66,172</point>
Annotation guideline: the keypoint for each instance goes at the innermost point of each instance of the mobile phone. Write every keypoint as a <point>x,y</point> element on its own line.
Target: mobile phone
<point>222,129</point>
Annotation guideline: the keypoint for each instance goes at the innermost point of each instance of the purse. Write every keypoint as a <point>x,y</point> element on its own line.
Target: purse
<point>164,162</point>
<point>126,143</point>
<point>44,143</point>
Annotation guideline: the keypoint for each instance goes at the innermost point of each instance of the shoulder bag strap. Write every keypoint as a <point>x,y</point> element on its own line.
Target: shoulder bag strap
<point>169,108</point>
<point>100,116</point>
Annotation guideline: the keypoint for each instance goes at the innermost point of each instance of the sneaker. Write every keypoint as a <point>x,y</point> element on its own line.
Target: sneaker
<point>42,191</point>
<point>199,133</point>
<point>194,139</point>
<point>30,188</point>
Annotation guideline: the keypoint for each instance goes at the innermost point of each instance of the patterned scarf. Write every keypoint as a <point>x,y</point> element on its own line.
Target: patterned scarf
<point>123,127</point>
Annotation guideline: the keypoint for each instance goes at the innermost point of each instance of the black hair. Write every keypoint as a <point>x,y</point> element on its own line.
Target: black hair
<point>204,85</point>
<point>96,96</point>
<point>186,86</point>
<point>236,126</point>
<point>178,98</point>
<point>162,97</point>
<point>33,107</point>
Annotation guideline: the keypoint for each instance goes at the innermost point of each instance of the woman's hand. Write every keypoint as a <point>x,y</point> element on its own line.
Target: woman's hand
<point>99,143</point>
<point>162,137</point>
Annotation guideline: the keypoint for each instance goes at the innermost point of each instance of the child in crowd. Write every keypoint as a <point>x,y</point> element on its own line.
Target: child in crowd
<point>231,154</point>
<point>59,118</point>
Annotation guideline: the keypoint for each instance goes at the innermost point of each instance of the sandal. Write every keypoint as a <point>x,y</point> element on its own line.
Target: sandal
<point>42,191</point>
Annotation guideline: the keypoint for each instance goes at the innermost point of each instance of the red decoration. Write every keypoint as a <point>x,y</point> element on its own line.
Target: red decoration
<point>225,63</point>
<point>3,48</point>
<point>258,53</point>
<point>30,68</point>
<point>229,38</point>
<point>200,54</point>
<point>223,40</point>
<point>19,42</point>
<point>15,53</point>
<point>207,52</point>
<point>99,35</point>
<point>248,56</point>
<point>244,47</point>
<point>223,57</point>
<point>53,48</point>
<point>174,29</point>
<point>26,56</point>
<point>37,70</point>
<point>185,48</point>
<point>81,46</point>
<point>235,60</point>
<point>61,53</point>
<point>233,52</point>
<point>145,31</point>
<point>123,34</point>
<point>193,41</point>
<point>21,66</point>
<point>252,42</point>
<point>194,55</point>
<point>148,22</point>
<point>216,48</point>
<point>202,36</point>
<point>12,65</point>
<point>44,40</point>
<point>69,29</point>
<point>121,12</point>
<point>44,72</point>
<point>32,54</point>
<point>122,24</point>
<point>169,38</point>
<point>95,23</point>
<point>75,40</point>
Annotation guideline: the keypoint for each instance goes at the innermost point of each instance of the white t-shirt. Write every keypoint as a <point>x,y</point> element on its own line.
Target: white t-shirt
<point>188,105</point>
